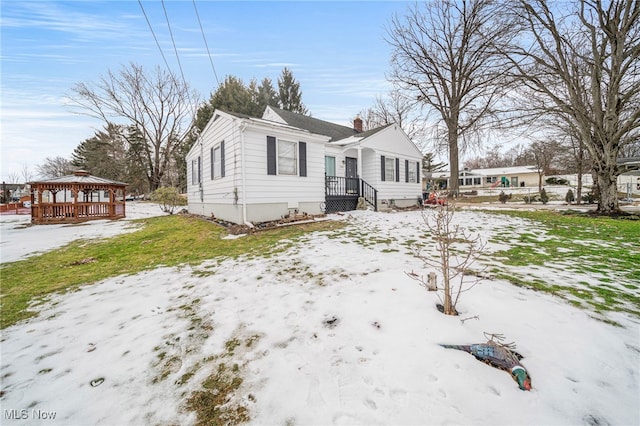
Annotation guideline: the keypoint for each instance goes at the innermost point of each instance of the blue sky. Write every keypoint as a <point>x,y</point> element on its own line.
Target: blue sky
<point>335,49</point>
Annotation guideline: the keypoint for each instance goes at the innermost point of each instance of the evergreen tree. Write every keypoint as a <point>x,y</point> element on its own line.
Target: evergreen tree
<point>289,93</point>
<point>233,96</point>
<point>267,95</point>
<point>104,154</point>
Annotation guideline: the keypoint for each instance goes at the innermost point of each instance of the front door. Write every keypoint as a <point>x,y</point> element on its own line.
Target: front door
<point>351,173</point>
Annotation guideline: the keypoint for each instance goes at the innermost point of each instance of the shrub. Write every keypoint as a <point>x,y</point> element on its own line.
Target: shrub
<point>502,197</point>
<point>168,198</point>
<point>544,197</point>
<point>569,198</point>
<point>589,198</point>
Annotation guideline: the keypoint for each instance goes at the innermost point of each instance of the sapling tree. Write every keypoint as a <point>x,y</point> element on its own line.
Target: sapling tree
<point>456,251</point>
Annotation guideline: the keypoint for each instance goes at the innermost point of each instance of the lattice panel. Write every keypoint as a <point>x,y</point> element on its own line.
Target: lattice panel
<point>341,204</point>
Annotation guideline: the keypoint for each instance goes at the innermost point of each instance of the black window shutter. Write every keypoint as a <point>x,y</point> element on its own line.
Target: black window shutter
<point>271,155</point>
<point>222,159</point>
<point>397,170</point>
<point>382,168</point>
<point>406,170</point>
<point>417,172</point>
<point>212,161</point>
<point>302,158</point>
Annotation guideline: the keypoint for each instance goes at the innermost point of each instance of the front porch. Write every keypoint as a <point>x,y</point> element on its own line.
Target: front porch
<point>342,193</point>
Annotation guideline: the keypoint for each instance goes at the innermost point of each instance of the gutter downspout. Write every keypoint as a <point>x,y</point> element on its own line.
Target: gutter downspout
<point>200,164</point>
<point>243,126</point>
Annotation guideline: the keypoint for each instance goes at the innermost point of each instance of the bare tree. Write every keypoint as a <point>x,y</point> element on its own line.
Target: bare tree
<point>581,66</point>
<point>26,173</point>
<point>396,108</point>
<point>14,177</point>
<point>54,167</point>
<point>445,53</point>
<point>158,106</point>
<point>456,252</point>
<point>543,152</point>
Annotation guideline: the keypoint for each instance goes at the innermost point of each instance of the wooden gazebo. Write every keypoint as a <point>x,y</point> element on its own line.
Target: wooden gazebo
<point>76,198</point>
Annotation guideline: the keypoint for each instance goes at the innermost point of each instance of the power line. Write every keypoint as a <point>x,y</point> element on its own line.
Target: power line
<point>184,81</point>
<point>205,43</point>
<point>154,36</point>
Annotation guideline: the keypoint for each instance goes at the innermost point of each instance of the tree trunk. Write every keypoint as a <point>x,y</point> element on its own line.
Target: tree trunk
<point>580,171</point>
<point>579,187</point>
<point>454,164</point>
<point>607,184</point>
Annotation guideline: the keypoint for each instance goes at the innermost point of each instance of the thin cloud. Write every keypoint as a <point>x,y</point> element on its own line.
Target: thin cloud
<point>49,16</point>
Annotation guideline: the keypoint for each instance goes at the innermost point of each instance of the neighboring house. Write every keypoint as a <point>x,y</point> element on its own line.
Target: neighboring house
<point>246,169</point>
<point>500,177</point>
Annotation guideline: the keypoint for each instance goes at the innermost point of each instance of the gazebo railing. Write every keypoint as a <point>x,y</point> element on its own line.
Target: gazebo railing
<point>62,212</point>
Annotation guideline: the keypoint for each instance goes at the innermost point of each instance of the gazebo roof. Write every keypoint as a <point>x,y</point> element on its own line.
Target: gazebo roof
<point>81,176</point>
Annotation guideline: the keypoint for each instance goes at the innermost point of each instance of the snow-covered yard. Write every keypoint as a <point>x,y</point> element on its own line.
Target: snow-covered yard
<point>331,331</point>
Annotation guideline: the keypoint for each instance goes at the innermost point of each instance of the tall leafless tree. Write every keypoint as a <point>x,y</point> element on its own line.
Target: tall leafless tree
<point>27,174</point>
<point>445,53</point>
<point>158,105</point>
<point>396,108</point>
<point>13,177</point>
<point>578,62</point>
<point>543,153</point>
<point>55,167</point>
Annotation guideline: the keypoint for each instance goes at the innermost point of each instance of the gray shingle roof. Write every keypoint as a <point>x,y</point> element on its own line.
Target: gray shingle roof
<point>314,125</point>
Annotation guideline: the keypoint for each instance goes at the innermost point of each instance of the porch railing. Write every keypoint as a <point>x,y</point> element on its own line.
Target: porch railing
<point>370,194</point>
<point>337,187</point>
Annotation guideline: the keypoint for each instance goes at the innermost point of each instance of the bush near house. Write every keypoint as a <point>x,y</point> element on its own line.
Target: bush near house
<point>543,196</point>
<point>168,198</point>
<point>502,197</point>
<point>569,198</point>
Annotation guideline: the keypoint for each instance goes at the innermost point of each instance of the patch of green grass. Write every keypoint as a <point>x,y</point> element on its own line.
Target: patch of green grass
<point>605,249</point>
<point>161,241</point>
<point>214,403</point>
<point>211,404</point>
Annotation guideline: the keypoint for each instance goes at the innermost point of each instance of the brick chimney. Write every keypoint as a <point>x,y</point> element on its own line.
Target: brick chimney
<point>357,124</point>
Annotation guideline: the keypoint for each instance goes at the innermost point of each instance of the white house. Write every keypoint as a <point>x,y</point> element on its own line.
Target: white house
<point>245,169</point>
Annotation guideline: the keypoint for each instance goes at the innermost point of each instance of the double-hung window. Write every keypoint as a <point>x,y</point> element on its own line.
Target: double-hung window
<point>196,171</point>
<point>287,158</point>
<point>217,161</point>
<point>389,169</point>
<point>413,171</point>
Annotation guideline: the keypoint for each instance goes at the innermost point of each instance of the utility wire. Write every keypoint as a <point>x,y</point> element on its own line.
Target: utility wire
<point>154,36</point>
<point>184,81</point>
<point>205,43</point>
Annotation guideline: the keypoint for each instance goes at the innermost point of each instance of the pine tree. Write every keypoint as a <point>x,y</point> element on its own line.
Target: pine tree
<point>266,95</point>
<point>289,93</point>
